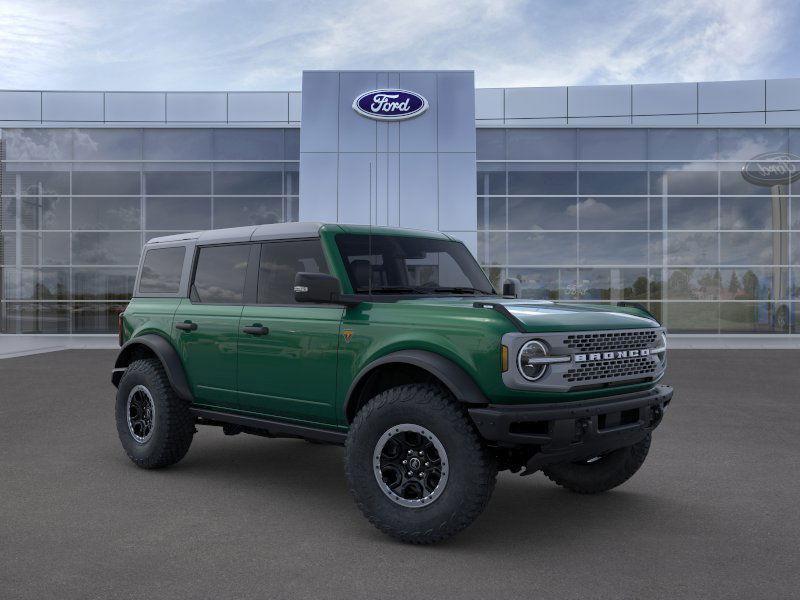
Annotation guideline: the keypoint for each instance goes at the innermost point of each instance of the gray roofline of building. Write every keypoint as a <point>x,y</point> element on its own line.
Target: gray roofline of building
<point>743,103</point>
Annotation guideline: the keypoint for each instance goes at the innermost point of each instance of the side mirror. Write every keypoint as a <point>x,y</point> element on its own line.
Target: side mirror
<point>319,288</point>
<point>511,287</point>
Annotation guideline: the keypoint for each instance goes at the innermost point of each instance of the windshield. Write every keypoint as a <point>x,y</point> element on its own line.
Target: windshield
<point>389,264</point>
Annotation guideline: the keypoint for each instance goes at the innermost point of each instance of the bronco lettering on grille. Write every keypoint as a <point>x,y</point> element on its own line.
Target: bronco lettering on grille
<point>611,355</point>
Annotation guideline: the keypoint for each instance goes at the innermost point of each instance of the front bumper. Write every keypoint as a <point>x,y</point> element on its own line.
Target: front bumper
<point>572,431</point>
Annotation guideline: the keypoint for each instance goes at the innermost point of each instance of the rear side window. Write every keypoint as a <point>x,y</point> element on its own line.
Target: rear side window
<point>280,262</point>
<point>161,270</point>
<point>220,274</point>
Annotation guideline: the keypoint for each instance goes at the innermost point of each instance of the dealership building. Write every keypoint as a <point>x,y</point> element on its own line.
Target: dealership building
<point>680,196</point>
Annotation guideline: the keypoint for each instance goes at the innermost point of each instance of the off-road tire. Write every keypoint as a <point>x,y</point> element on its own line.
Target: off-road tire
<point>609,471</point>
<point>173,425</point>
<point>472,469</point>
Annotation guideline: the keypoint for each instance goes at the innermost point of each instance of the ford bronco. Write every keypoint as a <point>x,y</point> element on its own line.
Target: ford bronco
<point>395,344</point>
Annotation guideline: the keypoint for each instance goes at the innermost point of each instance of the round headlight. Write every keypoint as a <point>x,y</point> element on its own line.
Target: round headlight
<point>526,360</point>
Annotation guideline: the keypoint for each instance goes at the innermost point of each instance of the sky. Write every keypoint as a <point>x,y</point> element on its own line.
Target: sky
<point>261,45</point>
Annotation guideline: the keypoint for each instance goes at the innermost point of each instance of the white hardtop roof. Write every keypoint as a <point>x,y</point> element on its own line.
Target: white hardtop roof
<point>274,231</point>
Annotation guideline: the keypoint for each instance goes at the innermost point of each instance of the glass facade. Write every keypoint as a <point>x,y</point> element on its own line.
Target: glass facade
<point>660,216</point>
<point>78,205</point>
<point>664,217</point>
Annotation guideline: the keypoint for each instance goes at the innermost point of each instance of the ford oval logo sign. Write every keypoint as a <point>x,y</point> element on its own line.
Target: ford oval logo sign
<point>772,168</point>
<point>390,105</point>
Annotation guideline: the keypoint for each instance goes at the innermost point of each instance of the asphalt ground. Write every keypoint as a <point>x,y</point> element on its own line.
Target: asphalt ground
<point>713,513</point>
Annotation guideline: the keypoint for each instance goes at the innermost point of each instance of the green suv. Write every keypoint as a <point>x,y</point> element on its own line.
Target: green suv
<point>394,344</point>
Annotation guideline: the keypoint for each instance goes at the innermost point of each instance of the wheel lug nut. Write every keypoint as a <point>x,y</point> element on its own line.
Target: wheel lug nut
<point>411,452</point>
<point>410,473</point>
<point>405,461</point>
<point>427,464</point>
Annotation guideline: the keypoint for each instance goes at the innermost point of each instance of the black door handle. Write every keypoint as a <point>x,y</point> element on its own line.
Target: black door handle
<point>186,326</point>
<point>256,329</point>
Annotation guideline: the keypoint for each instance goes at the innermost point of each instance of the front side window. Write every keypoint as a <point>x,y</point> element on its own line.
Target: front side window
<point>220,274</point>
<point>161,270</point>
<point>281,262</point>
<point>387,264</point>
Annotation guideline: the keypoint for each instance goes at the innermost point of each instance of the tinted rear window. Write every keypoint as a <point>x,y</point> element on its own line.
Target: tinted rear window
<point>161,271</point>
<point>220,274</point>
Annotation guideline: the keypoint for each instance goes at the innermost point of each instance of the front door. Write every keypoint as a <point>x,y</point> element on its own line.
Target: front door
<point>288,351</point>
<point>207,324</point>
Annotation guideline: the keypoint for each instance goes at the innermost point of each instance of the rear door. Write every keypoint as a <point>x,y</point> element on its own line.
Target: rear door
<point>288,351</point>
<point>207,323</point>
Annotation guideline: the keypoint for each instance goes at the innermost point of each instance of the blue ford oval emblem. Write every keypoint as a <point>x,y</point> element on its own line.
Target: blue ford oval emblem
<point>772,168</point>
<point>390,105</point>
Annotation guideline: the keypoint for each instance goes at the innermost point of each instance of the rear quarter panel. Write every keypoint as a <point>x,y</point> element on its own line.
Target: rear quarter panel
<point>150,315</point>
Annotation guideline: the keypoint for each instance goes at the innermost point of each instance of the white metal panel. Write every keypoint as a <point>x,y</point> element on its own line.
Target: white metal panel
<point>664,98</point>
<point>665,120</point>
<point>599,100</point>
<point>536,103</point>
<point>418,134</point>
<point>258,106</point>
<point>732,119</point>
<point>197,107</point>
<point>537,122</point>
<point>295,102</point>
<point>356,133</point>
<point>72,106</point>
<point>381,189</point>
<point>784,118</point>
<point>783,94</point>
<point>455,124</point>
<point>730,96</point>
<point>393,189</point>
<point>20,106</point>
<point>489,103</point>
<point>133,107</point>
<point>356,204</point>
<point>418,191</point>
<point>458,208</point>
<point>318,185</point>
<point>599,121</point>
<point>320,129</point>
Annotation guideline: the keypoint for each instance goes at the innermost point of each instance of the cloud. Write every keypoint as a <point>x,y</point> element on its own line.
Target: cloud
<point>211,44</point>
<point>31,35</point>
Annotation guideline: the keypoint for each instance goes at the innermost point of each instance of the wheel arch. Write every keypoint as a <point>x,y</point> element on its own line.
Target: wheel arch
<point>410,366</point>
<point>151,345</point>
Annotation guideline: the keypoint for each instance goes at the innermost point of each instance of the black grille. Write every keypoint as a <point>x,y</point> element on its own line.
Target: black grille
<point>617,368</point>
<point>612,340</point>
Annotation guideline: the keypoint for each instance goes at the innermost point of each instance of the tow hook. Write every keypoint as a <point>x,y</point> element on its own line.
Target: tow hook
<point>656,414</point>
<point>581,427</point>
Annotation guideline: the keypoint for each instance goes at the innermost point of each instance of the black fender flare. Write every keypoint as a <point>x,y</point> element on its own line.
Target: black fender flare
<point>456,379</point>
<point>165,352</point>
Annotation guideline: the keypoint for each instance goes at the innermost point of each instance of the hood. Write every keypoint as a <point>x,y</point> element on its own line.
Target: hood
<point>542,315</point>
<point>576,317</point>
